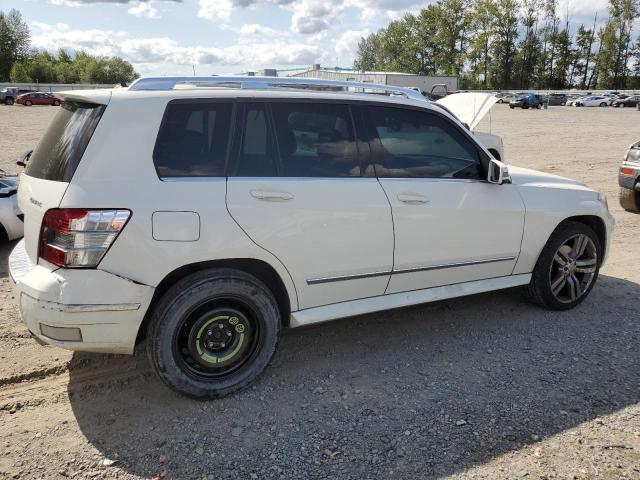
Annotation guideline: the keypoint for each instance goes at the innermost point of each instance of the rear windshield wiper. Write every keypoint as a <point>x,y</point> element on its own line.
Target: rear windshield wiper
<point>22,161</point>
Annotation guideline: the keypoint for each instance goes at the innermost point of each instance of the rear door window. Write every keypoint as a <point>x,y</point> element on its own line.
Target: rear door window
<point>315,140</point>
<point>193,139</point>
<point>59,152</point>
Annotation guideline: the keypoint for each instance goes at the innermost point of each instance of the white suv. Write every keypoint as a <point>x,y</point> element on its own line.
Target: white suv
<point>208,214</point>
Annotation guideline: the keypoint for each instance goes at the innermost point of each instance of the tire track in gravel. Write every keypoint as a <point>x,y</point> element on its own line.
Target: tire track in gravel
<point>44,386</point>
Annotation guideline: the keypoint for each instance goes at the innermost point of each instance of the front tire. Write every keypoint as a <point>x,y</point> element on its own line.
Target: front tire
<point>8,101</point>
<point>567,268</point>
<point>28,103</point>
<point>213,333</point>
<point>603,104</point>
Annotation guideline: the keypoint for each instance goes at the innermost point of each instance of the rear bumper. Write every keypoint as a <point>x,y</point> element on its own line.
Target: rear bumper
<point>88,310</point>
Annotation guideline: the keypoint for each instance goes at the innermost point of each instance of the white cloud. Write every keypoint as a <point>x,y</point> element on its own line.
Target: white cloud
<point>256,29</point>
<point>347,43</point>
<point>166,51</point>
<point>215,9</point>
<point>143,9</point>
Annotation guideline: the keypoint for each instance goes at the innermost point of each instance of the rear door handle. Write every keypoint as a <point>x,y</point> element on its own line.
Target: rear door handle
<point>412,198</point>
<point>271,196</point>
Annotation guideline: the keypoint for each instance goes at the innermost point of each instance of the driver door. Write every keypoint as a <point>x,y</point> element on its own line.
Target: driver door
<point>451,225</point>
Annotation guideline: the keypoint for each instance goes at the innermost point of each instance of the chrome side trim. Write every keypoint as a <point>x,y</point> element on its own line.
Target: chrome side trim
<point>454,265</point>
<point>358,276</point>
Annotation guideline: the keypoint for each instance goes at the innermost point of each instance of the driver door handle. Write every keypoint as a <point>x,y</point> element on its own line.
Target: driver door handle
<point>412,198</point>
<point>271,196</point>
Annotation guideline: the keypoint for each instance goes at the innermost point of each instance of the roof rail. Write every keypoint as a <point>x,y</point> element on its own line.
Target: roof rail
<point>261,83</point>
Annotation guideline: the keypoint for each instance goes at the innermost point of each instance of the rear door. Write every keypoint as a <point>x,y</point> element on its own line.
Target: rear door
<point>298,191</point>
<point>52,165</point>
<point>451,226</point>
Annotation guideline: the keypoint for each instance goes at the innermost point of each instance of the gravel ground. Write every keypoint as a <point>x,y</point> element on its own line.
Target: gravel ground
<point>483,387</point>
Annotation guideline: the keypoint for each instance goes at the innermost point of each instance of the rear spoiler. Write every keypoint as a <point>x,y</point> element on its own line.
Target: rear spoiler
<point>98,97</point>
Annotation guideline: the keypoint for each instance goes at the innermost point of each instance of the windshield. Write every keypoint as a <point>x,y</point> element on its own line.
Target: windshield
<point>59,152</point>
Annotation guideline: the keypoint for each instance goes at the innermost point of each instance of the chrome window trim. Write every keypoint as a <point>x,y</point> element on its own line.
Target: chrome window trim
<point>358,276</point>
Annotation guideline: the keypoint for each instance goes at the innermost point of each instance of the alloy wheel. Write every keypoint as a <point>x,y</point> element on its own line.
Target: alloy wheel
<point>573,268</point>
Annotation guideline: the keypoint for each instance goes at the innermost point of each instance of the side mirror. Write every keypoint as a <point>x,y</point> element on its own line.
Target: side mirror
<point>498,172</point>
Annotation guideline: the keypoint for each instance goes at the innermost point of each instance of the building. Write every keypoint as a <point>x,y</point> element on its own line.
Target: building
<point>423,82</point>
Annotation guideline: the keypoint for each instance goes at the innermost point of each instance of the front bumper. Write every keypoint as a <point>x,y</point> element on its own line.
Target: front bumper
<point>88,310</point>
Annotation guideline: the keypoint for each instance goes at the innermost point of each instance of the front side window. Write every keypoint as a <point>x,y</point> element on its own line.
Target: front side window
<point>315,140</point>
<point>416,144</point>
<point>193,140</point>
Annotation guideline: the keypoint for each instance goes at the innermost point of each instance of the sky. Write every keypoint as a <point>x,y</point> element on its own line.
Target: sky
<point>172,37</point>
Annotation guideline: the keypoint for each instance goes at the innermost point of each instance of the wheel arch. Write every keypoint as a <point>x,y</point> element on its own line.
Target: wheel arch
<point>257,268</point>
<point>595,223</point>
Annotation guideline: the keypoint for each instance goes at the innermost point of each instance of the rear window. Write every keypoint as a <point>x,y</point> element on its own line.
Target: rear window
<point>59,152</point>
<point>193,140</point>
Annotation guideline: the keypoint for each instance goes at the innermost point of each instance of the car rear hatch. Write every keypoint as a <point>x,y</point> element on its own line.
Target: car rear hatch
<point>54,161</point>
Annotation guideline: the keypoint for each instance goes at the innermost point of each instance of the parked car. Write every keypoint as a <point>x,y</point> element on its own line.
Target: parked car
<point>11,219</point>
<point>629,179</point>
<point>8,95</point>
<point>555,99</point>
<point>222,244</point>
<point>594,101</point>
<point>530,100</point>
<point>628,101</point>
<point>572,99</point>
<point>38,98</point>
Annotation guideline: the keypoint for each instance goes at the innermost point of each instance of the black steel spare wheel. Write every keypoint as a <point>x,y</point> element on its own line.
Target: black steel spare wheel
<point>215,341</point>
<point>213,332</point>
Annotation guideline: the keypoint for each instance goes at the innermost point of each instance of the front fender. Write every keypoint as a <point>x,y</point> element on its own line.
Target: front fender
<point>549,205</point>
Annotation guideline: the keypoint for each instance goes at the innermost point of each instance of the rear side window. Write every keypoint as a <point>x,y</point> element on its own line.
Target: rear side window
<point>193,140</point>
<point>315,140</point>
<point>59,152</point>
<point>417,144</point>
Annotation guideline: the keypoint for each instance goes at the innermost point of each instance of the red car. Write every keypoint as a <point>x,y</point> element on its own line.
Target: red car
<point>37,98</point>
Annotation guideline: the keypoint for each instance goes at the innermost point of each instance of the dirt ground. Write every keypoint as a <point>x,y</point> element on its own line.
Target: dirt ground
<point>485,387</point>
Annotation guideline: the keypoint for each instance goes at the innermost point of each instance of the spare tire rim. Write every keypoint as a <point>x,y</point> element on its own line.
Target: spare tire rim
<point>573,268</point>
<point>214,340</point>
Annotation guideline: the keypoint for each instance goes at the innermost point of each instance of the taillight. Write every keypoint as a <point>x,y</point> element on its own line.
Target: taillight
<point>78,237</point>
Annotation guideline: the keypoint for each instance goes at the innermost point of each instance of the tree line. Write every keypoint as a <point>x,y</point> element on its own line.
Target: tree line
<point>20,63</point>
<point>510,44</point>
